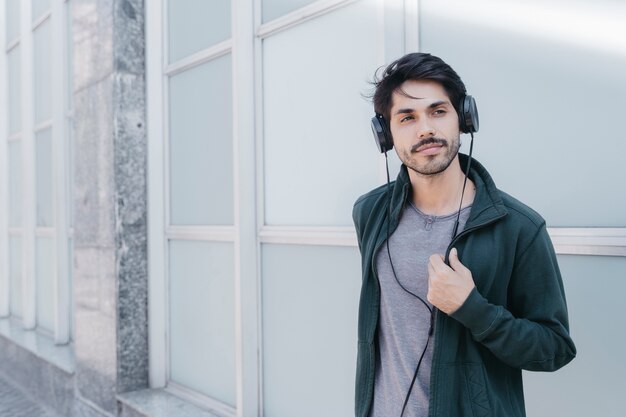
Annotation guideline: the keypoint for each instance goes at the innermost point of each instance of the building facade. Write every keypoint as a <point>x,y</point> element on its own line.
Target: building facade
<point>177,178</point>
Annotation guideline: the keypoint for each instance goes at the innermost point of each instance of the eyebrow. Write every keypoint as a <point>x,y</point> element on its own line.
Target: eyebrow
<point>432,105</point>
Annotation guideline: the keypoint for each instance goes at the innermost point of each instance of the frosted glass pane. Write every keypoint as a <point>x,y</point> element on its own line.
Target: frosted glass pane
<point>43,79</point>
<point>43,153</point>
<point>202,318</point>
<point>15,275</point>
<point>595,382</point>
<point>550,97</point>
<point>12,19</point>
<point>201,145</point>
<point>318,146</point>
<point>276,8</point>
<point>45,272</point>
<point>39,8</point>
<point>310,299</point>
<point>15,98</point>
<point>15,184</point>
<point>69,67</point>
<point>196,25</point>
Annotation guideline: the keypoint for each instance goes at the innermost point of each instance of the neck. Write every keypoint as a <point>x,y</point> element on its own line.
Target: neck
<point>440,194</point>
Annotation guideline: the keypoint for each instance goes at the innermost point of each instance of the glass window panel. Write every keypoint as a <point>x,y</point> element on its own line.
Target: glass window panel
<point>594,383</point>
<point>12,18</point>
<point>196,25</point>
<point>70,271</point>
<point>43,152</point>
<point>202,321</point>
<point>276,8</point>
<point>201,145</point>
<point>318,146</point>
<point>550,98</point>
<point>15,98</point>
<point>15,275</point>
<point>310,298</point>
<point>43,79</point>
<point>15,183</point>
<point>69,67</point>
<point>39,8</point>
<point>44,273</point>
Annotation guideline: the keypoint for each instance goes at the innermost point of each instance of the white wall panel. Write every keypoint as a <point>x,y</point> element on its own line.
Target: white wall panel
<point>42,73</point>
<point>548,80</point>
<point>39,7</point>
<point>15,275</point>
<point>595,381</point>
<point>43,178</point>
<point>276,8</point>
<point>202,328</point>
<point>45,267</point>
<point>15,183</point>
<point>319,153</point>
<point>201,145</point>
<point>12,19</point>
<point>14,90</point>
<point>309,297</point>
<point>196,25</point>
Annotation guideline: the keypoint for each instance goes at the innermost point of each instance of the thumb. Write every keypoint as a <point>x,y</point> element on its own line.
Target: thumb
<point>455,263</point>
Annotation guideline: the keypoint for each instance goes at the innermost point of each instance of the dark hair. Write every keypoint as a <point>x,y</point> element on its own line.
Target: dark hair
<point>415,66</point>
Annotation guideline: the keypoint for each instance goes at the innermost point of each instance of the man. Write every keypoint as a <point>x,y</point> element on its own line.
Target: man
<point>461,288</point>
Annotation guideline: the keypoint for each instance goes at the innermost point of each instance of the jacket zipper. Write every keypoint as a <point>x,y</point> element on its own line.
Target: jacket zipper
<point>467,231</point>
<point>438,320</point>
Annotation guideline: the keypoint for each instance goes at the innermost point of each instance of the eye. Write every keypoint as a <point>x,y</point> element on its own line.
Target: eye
<point>405,118</point>
<point>439,112</point>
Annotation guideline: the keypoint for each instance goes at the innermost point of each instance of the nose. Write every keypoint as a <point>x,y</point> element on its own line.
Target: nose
<point>425,130</point>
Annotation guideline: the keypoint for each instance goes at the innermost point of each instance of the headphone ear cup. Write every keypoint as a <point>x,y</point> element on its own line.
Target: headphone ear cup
<point>382,136</point>
<point>469,115</point>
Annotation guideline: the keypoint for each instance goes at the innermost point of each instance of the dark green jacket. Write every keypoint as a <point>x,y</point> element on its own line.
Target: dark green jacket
<point>515,318</point>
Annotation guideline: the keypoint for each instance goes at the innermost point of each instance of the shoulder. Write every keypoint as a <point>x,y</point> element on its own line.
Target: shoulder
<point>369,201</point>
<point>372,197</point>
<point>523,225</point>
<point>520,212</point>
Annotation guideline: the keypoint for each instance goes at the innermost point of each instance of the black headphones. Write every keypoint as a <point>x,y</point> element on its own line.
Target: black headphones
<point>468,123</point>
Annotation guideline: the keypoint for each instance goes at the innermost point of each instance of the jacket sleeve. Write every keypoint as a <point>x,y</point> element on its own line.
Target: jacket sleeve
<point>532,333</point>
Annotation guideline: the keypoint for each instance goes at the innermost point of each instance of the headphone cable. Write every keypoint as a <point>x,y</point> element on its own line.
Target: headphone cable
<point>430,309</point>
<point>454,233</point>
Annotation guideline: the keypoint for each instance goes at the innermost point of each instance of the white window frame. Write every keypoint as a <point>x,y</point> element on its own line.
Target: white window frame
<point>249,231</point>
<point>245,47</point>
<point>4,169</point>
<point>158,72</point>
<point>29,230</point>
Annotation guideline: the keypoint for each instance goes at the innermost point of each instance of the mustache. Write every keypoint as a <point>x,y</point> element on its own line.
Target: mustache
<point>429,141</point>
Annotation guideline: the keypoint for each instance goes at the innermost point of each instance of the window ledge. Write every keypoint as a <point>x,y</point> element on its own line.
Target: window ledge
<point>42,346</point>
<point>159,403</point>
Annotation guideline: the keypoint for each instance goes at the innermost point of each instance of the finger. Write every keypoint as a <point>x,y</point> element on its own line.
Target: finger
<point>455,263</point>
<point>437,262</point>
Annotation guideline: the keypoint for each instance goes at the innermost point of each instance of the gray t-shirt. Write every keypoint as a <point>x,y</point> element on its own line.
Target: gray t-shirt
<point>404,321</point>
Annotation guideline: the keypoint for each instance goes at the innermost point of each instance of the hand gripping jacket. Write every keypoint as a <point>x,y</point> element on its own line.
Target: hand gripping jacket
<point>515,318</point>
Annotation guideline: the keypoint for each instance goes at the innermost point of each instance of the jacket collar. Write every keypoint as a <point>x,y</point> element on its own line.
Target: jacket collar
<point>487,205</point>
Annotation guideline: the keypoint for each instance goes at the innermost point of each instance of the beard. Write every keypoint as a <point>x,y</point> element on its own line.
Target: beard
<point>435,164</point>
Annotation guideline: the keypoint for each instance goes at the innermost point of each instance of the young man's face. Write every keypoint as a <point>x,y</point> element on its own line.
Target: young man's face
<point>424,126</point>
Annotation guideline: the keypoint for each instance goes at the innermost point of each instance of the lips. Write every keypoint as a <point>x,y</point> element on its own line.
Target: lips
<point>429,146</point>
<point>429,149</point>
